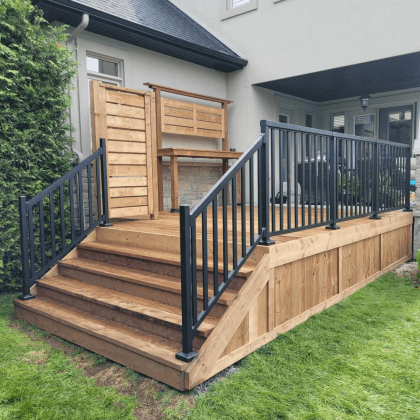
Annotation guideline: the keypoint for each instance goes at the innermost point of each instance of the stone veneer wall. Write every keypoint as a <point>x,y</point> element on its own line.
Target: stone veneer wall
<point>194,180</point>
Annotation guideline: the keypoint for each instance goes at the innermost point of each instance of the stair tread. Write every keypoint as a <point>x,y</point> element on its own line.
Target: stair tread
<point>124,302</point>
<point>158,256</point>
<point>158,281</point>
<point>137,341</point>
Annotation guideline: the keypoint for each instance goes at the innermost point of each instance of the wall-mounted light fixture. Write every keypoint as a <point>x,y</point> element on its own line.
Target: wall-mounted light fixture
<point>364,102</point>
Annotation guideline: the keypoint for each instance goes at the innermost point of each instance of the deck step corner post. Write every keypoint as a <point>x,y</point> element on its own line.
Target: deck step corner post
<point>407,182</point>
<point>375,183</point>
<point>104,172</point>
<point>26,287</point>
<point>333,181</point>
<point>264,204</point>
<point>187,354</point>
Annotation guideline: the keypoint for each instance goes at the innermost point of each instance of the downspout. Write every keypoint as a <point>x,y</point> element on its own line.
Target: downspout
<point>73,37</point>
<point>82,26</point>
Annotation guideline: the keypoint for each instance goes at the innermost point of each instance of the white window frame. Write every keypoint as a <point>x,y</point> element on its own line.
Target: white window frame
<point>119,81</point>
<point>228,10</point>
<point>374,123</point>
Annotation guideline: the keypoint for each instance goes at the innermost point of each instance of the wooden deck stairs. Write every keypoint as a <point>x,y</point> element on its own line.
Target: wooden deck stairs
<point>119,294</point>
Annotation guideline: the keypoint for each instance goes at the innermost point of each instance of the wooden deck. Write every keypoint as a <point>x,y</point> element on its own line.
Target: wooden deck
<point>119,294</point>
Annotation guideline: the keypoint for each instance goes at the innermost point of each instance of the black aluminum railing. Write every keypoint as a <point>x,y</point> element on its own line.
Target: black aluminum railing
<point>57,219</point>
<point>306,178</point>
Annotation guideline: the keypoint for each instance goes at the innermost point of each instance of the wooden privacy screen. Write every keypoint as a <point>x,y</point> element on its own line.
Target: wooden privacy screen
<point>179,117</point>
<point>126,119</point>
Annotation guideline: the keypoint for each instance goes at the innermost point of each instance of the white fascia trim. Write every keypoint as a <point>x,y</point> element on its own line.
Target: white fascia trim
<point>235,50</point>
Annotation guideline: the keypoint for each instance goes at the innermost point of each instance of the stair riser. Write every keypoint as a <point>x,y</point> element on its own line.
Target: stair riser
<point>111,351</point>
<point>166,243</point>
<point>116,314</point>
<point>152,266</point>
<point>162,296</point>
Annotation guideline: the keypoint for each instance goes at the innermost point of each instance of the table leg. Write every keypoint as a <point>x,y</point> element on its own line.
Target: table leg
<point>174,185</point>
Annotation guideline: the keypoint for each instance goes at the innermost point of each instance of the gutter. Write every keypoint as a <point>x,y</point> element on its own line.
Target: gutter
<point>69,6</point>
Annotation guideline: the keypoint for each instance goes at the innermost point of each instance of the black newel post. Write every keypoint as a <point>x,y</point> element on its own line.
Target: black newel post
<point>333,184</point>
<point>375,183</point>
<point>104,172</point>
<point>407,182</point>
<point>187,354</point>
<point>26,286</point>
<point>264,180</point>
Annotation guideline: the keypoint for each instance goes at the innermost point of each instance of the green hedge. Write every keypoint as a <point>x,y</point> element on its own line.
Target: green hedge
<point>35,74</point>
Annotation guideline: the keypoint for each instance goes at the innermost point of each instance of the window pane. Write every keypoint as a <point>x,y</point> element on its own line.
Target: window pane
<point>364,126</point>
<point>236,3</point>
<point>400,127</point>
<point>283,119</point>
<point>102,66</point>
<point>338,123</point>
<point>309,120</point>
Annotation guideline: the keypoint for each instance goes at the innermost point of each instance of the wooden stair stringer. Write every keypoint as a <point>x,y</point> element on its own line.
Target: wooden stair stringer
<point>206,363</point>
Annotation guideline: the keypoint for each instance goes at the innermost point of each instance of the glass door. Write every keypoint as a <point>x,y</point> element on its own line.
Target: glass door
<point>396,124</point>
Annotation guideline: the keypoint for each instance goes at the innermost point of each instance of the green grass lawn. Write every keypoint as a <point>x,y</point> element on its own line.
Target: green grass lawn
<point>360,359</point>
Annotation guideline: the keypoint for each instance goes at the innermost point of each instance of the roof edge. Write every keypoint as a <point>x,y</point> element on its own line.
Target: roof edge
<point>210,31</point>
<point>145,31</point>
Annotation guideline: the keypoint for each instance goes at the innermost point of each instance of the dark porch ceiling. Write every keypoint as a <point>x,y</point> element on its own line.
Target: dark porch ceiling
<point>386,75</point>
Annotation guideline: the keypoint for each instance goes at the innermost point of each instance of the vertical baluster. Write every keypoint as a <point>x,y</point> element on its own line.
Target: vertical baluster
<point>281,166</point>
<point>341,169</point>
<point>72,223</point>
<point>81,206</point>
<point>309,179</point>
<point>194,268</point>
<point>322,177</point>
<point>289,196</point>
<point>243,211</point>
<point>346,145</point>
<point>42,231</point>
<point>394,183</point>
<point>205,260</point>
<point>225,235</point>
<point>303,141</point>
<point>251,200</point>
<point>52,224</point>
<point>98,190</point>
<point>407,180</point>
<point>89,177</point>
<point>63,220</point>
<point>327,184</point>
<point>333,182</point>
<point>351,179</point>
<point>273,180</point>
<point>234,224</point>
<point>31,241</point>
<point>259,180</point>
<point>358,178</point>
<point>316,177</point>
<point>295,165</point>
<point>215,249</point>
<point>364,178</point>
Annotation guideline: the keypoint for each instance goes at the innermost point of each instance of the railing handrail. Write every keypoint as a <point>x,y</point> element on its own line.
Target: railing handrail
<point>329,133</point>
<point>29,271</point>
<point>64,178</point>
<point>226,178</point>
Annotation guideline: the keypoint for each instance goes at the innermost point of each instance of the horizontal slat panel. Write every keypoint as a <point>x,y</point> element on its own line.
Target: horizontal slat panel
<point>209,110</point>
<point>181,113</point>
<point>126,123</point>
<point>126,159</point>
<point>124,111</point>
<point>209,117</point>
<point>209,125</point>
<point>127,170</point>
<point>127,202</point>
<point>125,98</point>
<point>178,104</point>
<point>128,192</point>
<point>173,129</point>
<point>210,133</point>
<point>129,211</point>
<point>126,146</point>
<point>138,181</point>
<point>182,122</point>
<point>126,135</point>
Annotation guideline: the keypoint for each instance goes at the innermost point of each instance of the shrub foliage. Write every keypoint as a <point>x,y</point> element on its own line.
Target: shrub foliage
<point>35,77</point>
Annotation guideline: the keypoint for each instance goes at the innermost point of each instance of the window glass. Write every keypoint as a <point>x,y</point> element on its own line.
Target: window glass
<point>284,119</point>
<point>364,125</point>
<point>400,127</point>
<point>338,123</point>
<point>98,65</point>
<point>237,3</point>
<point>309,120</point>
